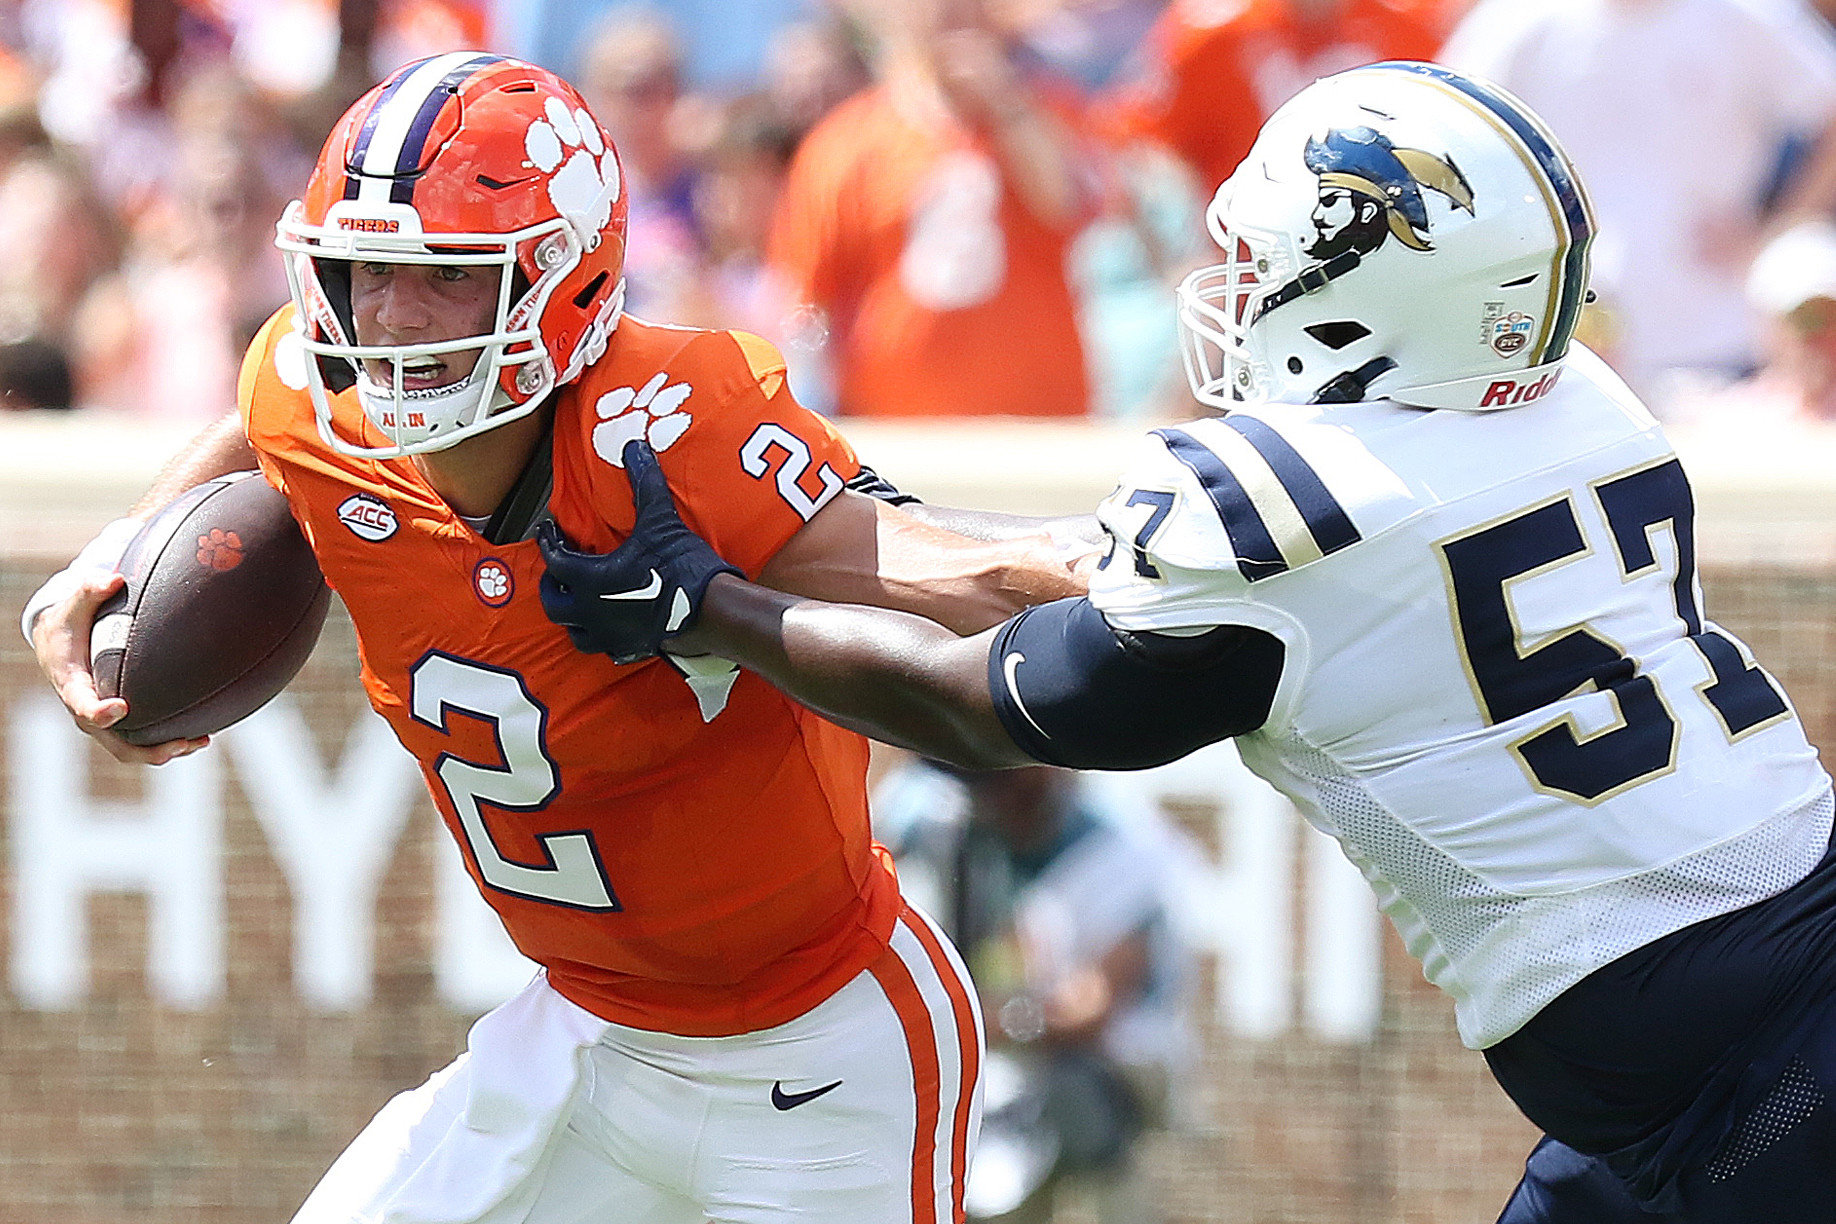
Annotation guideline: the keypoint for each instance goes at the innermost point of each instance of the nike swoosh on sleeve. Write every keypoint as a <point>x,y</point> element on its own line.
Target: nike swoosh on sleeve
<point>1008,666</point>
<point>649,592</point>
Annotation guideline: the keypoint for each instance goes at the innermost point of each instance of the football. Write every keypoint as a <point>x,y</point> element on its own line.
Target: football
<point>223,604</point>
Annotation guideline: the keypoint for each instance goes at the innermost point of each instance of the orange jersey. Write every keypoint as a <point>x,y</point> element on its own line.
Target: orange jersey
<point>693,860</point>
<point>944,294</point>
<point>1216,69</point>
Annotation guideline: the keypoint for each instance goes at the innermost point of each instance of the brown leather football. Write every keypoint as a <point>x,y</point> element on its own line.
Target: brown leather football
<point>223,603</point>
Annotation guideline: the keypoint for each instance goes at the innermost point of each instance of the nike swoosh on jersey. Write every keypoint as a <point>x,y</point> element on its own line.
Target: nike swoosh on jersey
<point>648,592</point>
<point>1008,666</point>
<point>782,1100</point>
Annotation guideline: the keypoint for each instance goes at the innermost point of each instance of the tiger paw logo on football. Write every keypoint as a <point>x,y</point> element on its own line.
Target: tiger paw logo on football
<point>220,550</point>
<point>652,412</point>
<point>584,182</point>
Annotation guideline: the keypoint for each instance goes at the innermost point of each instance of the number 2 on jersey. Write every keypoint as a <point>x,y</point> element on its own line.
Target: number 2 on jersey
<point>1510,681</point>
<point>755,459</point>
<point>525,782</point>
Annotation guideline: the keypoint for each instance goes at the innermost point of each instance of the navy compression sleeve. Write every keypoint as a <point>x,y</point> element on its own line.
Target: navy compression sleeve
<point>1072,691</point>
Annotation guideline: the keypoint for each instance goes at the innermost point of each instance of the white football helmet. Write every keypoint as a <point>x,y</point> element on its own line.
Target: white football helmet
<point>1401,232</point>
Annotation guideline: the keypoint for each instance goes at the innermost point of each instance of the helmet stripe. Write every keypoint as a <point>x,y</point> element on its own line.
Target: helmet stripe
<point>1573,213</point>
<point>353,167</point>
<point>409,160</point>
<point>383,142</point>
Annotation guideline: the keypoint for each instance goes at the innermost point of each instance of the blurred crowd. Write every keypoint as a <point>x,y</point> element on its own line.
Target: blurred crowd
<point>936,207</point>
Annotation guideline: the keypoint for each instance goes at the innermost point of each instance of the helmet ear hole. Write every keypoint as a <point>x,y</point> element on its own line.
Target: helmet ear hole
<point>1295,366</point>
<point>1336,335</point>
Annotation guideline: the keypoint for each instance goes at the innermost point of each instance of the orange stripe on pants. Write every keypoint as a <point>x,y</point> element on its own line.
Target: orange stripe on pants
<point>964,1013</point>
<point>915,1018</point>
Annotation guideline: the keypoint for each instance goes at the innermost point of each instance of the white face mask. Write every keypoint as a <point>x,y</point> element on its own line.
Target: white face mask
<point>419,420</point>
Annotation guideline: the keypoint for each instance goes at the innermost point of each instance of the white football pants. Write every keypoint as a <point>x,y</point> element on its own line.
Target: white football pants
<point>863,1110</point>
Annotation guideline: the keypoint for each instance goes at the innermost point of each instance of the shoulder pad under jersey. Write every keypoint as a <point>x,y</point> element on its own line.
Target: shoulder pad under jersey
<point>1207,509</point>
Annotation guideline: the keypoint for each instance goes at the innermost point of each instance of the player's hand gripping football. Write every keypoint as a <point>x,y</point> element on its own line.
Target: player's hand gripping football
<point>625,603</point>
<point>60,640</point>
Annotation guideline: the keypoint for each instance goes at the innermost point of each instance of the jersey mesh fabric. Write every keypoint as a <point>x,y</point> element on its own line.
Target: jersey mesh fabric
<point>1449,917</point>
<point>1796,1097</point>
<point>1509,874</point>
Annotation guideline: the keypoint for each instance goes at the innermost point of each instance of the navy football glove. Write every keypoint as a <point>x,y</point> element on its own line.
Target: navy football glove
<point>626,602</point>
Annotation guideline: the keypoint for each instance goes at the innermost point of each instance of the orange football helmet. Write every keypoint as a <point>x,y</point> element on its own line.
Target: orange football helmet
<point>466,158</point>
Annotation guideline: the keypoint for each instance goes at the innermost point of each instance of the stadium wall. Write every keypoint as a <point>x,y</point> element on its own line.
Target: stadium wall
<point>215,972</point>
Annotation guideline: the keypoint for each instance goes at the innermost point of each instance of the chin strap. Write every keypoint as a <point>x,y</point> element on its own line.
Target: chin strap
<point>1350,386</point>
<point>1312,279</point>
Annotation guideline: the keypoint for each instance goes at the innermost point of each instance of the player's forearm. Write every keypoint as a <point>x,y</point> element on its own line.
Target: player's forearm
<point>861,550</point>
<point>889,675</point>
<point>1016,563</point>
<point>987,586</point>
<point>216,450</point>
<point>1068,532</point>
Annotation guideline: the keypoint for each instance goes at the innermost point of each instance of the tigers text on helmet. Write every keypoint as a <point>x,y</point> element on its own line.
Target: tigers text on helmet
<point>473,160</point>
<point>1401,232</point>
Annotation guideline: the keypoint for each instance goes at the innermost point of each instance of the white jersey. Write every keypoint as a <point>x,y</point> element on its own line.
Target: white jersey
<point>1499,693</point>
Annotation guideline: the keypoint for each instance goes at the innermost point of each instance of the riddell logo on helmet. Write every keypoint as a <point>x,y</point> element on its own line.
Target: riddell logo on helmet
<point>1510,392</point>
<point>369,225</point>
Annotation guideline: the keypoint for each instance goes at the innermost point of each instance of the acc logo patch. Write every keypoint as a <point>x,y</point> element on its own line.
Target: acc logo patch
<point>369,518</point>
<point>1507,334</point>
<point>493,583</point>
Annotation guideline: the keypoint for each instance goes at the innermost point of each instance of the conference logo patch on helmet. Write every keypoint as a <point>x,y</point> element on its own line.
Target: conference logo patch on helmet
<point>1507,332</point>
<point>584,182</point>
<point>1370,190</point>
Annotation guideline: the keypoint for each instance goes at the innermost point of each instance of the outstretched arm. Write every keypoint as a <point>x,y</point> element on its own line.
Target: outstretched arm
<point>891,675</point>
<point>966,569</point>
<point>963,568</point>
<point>1054,683</point>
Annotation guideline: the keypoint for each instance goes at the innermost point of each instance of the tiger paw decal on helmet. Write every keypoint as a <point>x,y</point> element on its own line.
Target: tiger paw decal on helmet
<point>652,412</point>
<point>585,184</point>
